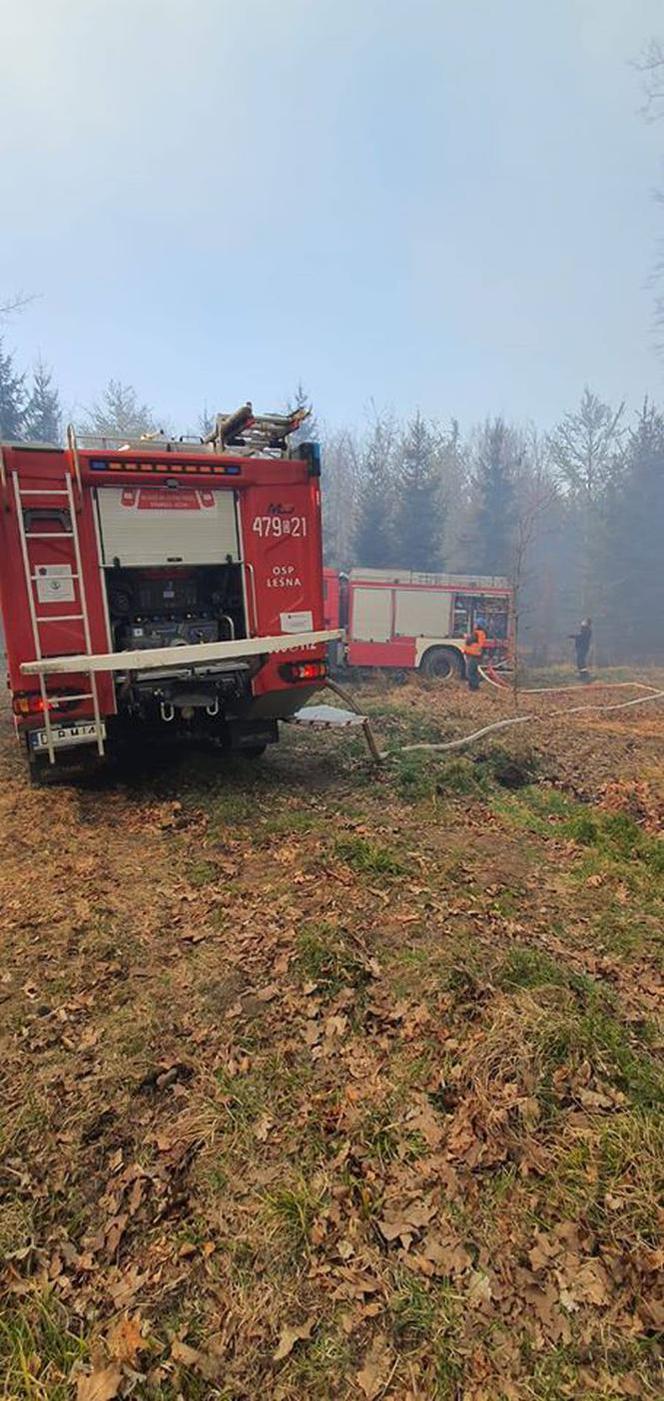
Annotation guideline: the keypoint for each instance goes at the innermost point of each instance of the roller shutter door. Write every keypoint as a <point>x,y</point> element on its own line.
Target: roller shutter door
<point>156,525</point>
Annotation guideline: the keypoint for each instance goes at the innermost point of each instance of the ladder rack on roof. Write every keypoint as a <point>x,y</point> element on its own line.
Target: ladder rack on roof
<point>241,433</point>
<point>257,435</point>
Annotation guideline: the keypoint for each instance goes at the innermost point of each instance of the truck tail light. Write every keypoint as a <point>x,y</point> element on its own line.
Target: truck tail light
<point>35,705</point>
<point>303,671</point>
<point>28,705</point>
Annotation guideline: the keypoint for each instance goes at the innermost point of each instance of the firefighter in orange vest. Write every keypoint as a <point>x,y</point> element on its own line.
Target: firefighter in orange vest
<point>473,649</point>
<point>480,629</point>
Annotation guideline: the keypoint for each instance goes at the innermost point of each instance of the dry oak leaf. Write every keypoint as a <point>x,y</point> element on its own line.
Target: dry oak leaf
<point>125,1339</point>
<point>182,1352</point>
<point>406,1226</point>
<point>123,1288</point>
<point>589,1283</point>
<point>290,1336</point>
<point>423,1120</point>
<point>447,1257</point>
<point>267,994</point>
<point>372,1376</point>
<point>206,1363</point>
<point>100,1385</point>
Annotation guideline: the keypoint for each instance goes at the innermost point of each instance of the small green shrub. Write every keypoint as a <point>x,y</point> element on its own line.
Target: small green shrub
<point>463,776</point>
<point>367,856</point>
<point>327,960</point>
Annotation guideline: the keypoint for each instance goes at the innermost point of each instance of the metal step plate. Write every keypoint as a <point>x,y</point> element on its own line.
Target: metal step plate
<point>326,717</point>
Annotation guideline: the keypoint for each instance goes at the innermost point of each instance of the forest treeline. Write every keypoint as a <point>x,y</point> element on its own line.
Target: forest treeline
<point>573,517</point>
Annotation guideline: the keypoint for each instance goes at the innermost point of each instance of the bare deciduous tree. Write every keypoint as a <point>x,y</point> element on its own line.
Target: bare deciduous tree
<point>119,413</point>
<point>13,304</point>
<point>341,485</point>
<point>533,504</point>
<point>651,64</point>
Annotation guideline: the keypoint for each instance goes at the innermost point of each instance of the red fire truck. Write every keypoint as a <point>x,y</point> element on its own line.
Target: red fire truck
<point>403,620</point>
<point>173,586</point>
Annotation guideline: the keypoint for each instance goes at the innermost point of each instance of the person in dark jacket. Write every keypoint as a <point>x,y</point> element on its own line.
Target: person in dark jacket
<point>582,640</point>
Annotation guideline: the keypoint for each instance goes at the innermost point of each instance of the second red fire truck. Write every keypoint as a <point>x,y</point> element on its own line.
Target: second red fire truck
<point>401,620</point>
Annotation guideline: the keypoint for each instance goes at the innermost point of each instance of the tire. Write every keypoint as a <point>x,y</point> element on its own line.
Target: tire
<point>46,775</point>
<point>40,771</point>
<point>442,664</point>
<point>252,751</point>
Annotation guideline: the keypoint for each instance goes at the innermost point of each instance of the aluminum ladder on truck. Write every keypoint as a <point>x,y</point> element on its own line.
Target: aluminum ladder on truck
<point>39,622</point>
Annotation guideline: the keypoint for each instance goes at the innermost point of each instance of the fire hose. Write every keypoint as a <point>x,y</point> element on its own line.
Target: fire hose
<point>445,746</point>
<point>522,719</point>
<point>493,677</point>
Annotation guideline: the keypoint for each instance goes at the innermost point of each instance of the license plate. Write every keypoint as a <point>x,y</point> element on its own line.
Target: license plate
<point>64,735</point>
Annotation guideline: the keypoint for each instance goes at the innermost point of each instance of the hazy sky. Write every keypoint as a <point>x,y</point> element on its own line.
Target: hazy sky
<point>434,203</point>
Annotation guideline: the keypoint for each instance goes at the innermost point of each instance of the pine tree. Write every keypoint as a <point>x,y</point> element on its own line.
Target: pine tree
<point>495,509</point>
<point>419,512</point>
<point>12,399</point>
<point>586,448</point>
<point>309,430</point>
<point>43,416</point>
<point>118,414</point>
<point>587,454</point>
<point>632,577</point>
<point>374,530</point>
<point>340,489</point>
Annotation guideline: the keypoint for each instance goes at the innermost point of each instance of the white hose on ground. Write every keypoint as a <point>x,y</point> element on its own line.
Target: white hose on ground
<point>622,705</point>
<point>468,739</point>
<point>553,690</point>
<point>521,719</point>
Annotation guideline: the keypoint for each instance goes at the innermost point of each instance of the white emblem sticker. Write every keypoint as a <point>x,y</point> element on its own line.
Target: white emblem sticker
<point>55,583</point>
<point>297,622</point>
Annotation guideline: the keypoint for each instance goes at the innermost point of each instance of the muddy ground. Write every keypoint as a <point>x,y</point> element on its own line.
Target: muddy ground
<point>322,1082</point>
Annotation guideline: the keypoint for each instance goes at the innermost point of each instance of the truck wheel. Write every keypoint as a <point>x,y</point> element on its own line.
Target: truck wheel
<point>252,751</point>
<point>42,773</point>
<point>442,664</point>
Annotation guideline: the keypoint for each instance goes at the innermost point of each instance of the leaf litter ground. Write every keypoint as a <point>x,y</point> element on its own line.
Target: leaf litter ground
<point>325,1083</point>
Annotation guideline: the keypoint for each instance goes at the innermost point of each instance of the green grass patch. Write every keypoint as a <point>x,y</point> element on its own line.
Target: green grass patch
<point>572,1037</point>
<point>243,1097</point>
<point>626,932</point>
<point>326,958</point>
<point>384,1135</point>
<point>201,873</point>
<point>616,837</point>
<point>289,823</point>
<point>413,1313</point>
<point>317,1365</point>
<point>367,857</point>
<point>526,967</point>
<point>461,776</point>
<point>294,1209</point>
<point>619,836</point>
<point>38,1349</point>
<point>614,1179</point>
<point>415,777</point>
<point>555,1373</point>
<point>424,1315</point>
<point>532,1032</point>
<point>536,809</point>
